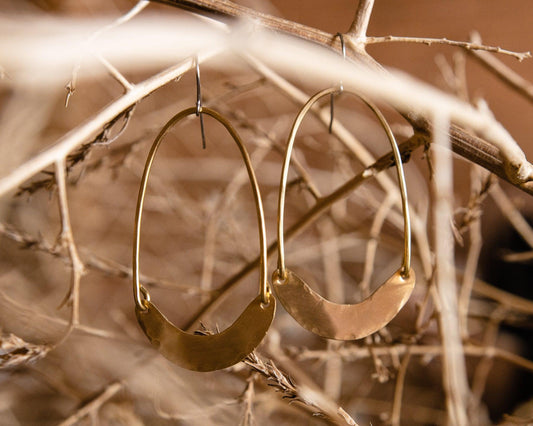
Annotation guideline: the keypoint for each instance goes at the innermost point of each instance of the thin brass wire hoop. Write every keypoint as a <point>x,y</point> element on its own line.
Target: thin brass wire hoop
<point>406,263</point>
<point>140,294</point>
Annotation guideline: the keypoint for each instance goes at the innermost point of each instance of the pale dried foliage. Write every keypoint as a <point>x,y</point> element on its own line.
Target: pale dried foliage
<point>71,351</point>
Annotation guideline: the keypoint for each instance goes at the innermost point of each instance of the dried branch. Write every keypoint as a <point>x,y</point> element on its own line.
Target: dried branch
<point>502,71</point>
<point>469,46</point>
<point>83,133</point>
<point>398,391</point>
<point>66,238</point>
<point>353,353</point>
<point>71,85</point>
<point>304,395</point>
<point>15,352</point>
<point>454,369</point>
<point>514,168</point>
<point>93,406</point>
<point>357,33</point>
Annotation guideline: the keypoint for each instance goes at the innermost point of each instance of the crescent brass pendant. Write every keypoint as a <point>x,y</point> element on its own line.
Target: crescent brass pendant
<point>207,352</point>
<point>343,321</point>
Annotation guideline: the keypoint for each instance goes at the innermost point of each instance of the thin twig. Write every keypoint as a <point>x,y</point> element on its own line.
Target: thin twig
<point>454,369</point>
<point>353,353</point>
<point>93,406</point>
<point>71,85</point>
<point>311,400</point>
<point>464,44</point>
<point>512,214</point>
<point>474,251</point>
<point>506,74</point>
<point>84,132</point>
<point>67,239</point>
<point>398,390</point>
<point>357,32</point>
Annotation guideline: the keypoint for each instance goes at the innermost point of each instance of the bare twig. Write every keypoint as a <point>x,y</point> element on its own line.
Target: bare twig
<point>515,168</point>
<point>93,406</point>
<point>357,32</point>
<point>512,214</point>
<point>283,383</point>
<point>398,391</point>
<point>474,249</point>
<point>67,239</point>
<point>454,369</point>
<point>506,74</point>
<point>84,132</point>
<point>15,352</point>
<point>353,353</point>
<point>71,85</point>
<point>463,44</point>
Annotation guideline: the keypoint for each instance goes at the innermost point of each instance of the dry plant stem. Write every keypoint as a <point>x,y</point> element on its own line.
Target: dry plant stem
<point>92,127</point>
<point>502,71</point>
<point>323,204</point>
<point>229,9</point>
<point>463,44</point>
<point>516,167</point>
<point>93,406</point>
<point>357,32</point>
<point>472,260</point>
<point>66,238</point>
<point>398,391</point>
<point>71,86</point>
<point>484,365</point>
<point>116,74</point>
<point>372,245</point>
<point>90,260</point>
<point>308,395</point>
<point>248,400</point>
<point>512,214</point>
<point>454,369</point>
<point>309,391</point>
<point>10,305</point>
<point>354,353</point>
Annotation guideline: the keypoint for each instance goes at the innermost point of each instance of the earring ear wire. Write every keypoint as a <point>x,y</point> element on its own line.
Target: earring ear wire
<point>199,103</point>
<point>341,88</point>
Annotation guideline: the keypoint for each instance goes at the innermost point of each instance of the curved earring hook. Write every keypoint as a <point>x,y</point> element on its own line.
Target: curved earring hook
<point>193,351</point>
<point>199,103</point>
<point>341,87</point>
<point>312,311</point>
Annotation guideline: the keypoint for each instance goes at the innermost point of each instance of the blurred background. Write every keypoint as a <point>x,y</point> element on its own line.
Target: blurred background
<point>200,229</point>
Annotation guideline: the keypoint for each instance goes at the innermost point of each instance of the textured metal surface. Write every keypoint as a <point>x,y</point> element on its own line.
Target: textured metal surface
<point>342,321</point>
<point>208,352</point>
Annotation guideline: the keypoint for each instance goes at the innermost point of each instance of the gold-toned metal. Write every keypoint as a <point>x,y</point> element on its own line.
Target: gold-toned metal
<point>312,311</point>
<point>207,352</point>
<point>210,351</point>
<point>343,321</point>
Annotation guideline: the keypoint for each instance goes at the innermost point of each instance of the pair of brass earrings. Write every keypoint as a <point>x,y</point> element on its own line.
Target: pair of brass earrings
<point>211,352</point>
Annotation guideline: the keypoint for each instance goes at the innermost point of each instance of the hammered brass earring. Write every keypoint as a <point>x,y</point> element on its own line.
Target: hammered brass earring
<point>308,308</point>
<point>215,351</point>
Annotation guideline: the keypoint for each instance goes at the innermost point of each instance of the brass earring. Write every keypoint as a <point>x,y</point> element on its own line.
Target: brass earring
<point>193,351</point>
<point>312,311</point>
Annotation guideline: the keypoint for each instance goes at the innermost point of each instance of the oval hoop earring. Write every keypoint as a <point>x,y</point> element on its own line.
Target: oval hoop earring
<point>312,311</point>
<point>214,351</point>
